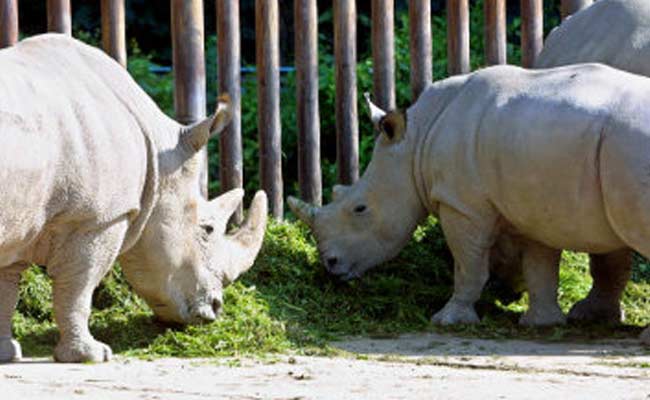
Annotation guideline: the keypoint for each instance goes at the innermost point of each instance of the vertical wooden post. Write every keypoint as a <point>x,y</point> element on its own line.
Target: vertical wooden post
<point>58,16</point>
<point>8,22</point>
<point>345,54</point>
<point>114,30</point>
<point>383,53</point>
<point>572,6</point>
<point>532,31</point>
<point>231,165</point>
<point>495,32</point>
<point>189,66</point>
<point>309,171</point>
<point>420,45</point>
<point>458,37</point>
<point>267,32</point>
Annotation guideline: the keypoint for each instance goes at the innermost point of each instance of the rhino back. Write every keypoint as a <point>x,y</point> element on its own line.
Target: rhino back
<point>529,144</point>
<point>613,32</point>
<point>72,150</point>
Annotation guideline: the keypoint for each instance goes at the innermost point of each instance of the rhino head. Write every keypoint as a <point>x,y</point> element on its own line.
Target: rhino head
<point>185,256</point>
<point>370,221</point>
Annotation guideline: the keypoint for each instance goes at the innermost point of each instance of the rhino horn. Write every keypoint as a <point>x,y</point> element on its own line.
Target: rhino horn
<point>304,211</point>
<point>244,244</point>
<point>197,135</point>
<point>224,206</point>
<point>376,113</point>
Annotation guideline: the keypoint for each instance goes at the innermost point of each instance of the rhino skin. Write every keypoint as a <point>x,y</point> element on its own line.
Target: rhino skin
<point>92,171</point>
<point>554,159</point>
<point>590,36</point>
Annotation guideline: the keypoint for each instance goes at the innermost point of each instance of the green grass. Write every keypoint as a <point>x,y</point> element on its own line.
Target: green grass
<point>287,303</point>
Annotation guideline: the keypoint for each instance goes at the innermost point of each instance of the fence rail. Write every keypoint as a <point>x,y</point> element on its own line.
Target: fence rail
<point>189,70</point>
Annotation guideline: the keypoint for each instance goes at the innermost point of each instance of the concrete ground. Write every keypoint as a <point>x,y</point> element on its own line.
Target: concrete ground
<point>423,366</point>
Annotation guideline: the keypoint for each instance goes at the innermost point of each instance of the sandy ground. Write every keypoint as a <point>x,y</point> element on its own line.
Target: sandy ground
<point>427,366</point>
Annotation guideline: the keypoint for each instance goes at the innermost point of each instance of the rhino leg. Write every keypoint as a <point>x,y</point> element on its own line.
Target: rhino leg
<point>611,273</point>
<point>469,242</point>
<point>76,269</point>
<point>9,285</point>
<point>541,271</point>
<point>645,336</point>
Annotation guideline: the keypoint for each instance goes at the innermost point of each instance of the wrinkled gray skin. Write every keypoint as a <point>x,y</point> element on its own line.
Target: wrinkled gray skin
<point>590,36</point>
<point>553,159</point>
<point>92,171</point>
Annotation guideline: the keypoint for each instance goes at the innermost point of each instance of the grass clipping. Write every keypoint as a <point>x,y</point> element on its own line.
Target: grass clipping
<point>287,302</point>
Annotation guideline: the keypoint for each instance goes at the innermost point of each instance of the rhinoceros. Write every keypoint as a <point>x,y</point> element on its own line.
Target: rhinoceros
<point>92,171</point>
<point>555,159</point>
<point>590,36</point>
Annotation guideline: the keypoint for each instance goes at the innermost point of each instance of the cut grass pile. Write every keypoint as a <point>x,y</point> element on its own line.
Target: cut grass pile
<point>288,303</point>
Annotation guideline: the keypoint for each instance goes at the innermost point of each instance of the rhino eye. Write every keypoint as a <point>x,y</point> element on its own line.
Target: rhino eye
<point>360,209</point>
<point>208,228</point>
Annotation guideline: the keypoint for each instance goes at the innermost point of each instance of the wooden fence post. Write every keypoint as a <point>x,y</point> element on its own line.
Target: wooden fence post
<point>268,94</point>
<point>8,22</point>
<point>420,45</point>
<point>58,16</point>
<point>189,66</point>
<point>532,31</point>
<point>231,165</point>
<point>114,30</point>
<point>458,37</point>
<point>572,6</point>
<point>347,124</point>
<point>495,32</point>
<point>306,39</point>
<point>383,53</point>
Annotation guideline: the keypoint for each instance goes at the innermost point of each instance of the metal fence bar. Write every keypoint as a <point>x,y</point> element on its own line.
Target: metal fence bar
<point>268,95</point>
<point>114,30</point>
<point>8,22</point>
<point>458,37</point>
<point>532,31</point>
<point>231,164</point>
<point>189,66</point>
<point>495,32</point>
<point>306,39</point>
<point>59,17</point>
<point>420,45</point>
<point>383,53</point>
<point>345,54</point>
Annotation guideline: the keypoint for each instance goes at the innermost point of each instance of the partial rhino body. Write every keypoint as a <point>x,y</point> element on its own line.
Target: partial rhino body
<point>92,171</point>
<point>617,33</point>
<point>554,159</point>
<point>612,32</point>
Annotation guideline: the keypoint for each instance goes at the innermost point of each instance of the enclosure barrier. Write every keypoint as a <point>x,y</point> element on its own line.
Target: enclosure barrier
<point>189,70</point>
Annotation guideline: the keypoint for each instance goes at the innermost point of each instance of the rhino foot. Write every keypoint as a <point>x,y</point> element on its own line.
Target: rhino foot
<point>455,313</point>
<point>543,316</point>
<point>89,350</point>
<point>9,350</point>
<point>592,310</point>
<point>645,336</point>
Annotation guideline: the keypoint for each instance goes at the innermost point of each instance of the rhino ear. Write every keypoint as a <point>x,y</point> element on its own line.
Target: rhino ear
<point>376,113</point>
<point>393,125</point>
<point>197,135</point>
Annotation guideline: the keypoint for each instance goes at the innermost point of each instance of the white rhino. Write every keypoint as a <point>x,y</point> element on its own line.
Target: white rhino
<point>92,171</point>
<point>555,159</point>
<point>591,36</point>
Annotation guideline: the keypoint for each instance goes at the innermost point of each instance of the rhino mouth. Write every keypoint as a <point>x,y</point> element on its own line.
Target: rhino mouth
<point>345,272</point>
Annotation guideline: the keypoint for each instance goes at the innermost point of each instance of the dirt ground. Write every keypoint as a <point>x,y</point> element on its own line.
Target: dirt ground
<point>424,366</point>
